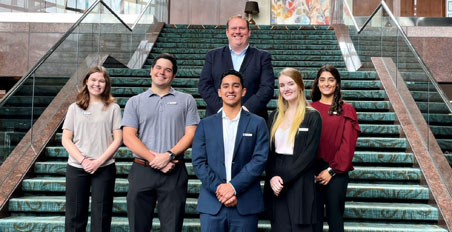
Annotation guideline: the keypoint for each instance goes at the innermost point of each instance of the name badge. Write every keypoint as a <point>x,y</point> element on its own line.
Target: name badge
<point>303,129</point>
<point>172,103</point>
<point>334,112</point>
<point>247,134</point>
<point>86,113</point>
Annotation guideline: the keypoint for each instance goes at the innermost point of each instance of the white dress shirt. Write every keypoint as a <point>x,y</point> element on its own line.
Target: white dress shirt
<point>229,136</point>
<point>282,145</point>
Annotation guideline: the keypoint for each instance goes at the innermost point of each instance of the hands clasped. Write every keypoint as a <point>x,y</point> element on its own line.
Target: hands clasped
<point>91,165</point>
<point>323,178</point>
<point>226,195</point>
<point>162,162</point>
<point>276,184</point>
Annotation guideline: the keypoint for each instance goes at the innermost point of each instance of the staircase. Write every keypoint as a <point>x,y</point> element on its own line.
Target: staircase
<point>371,42</point>
<point>385,191</point>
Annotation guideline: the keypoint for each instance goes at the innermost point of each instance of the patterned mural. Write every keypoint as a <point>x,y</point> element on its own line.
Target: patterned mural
<point>314,12</point>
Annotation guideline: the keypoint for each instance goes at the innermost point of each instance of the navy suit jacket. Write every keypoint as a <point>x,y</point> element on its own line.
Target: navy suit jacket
<point>248,163</point>
<point>259,79</point>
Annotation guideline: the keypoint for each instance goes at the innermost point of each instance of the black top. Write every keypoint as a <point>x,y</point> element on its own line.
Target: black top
<point>297,172</point>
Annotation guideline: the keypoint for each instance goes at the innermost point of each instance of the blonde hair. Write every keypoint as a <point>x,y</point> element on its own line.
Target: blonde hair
<point>302,104</point>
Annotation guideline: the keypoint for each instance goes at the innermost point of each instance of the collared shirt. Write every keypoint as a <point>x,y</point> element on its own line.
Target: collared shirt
<point>160,121</point>
<point>237,59</point>
<point>229,136</point>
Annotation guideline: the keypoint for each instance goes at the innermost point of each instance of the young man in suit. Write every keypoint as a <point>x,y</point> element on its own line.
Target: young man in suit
<point>253,63</point>
<point>229,153</point>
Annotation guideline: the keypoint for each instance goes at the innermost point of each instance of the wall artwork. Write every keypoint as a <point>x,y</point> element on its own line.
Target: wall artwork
<point>315,12</point>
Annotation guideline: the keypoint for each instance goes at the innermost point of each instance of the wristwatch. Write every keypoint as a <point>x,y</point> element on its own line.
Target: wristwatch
<point>171,155</point>
<point>331,171</point>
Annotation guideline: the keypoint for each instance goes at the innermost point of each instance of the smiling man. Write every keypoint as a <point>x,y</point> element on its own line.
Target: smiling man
<point>158,126</point>
<point>254,64</point>
<point>229,154</point>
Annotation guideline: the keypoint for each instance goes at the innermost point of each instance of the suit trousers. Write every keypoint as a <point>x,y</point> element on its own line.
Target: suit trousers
<point>333,198</point>
<point>148,186</point>
<point>228,219</point>
<point>78,186</point>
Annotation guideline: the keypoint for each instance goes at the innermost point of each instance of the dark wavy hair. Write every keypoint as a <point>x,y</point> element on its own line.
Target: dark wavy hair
<point>337,99</point>
<point>83,97</point>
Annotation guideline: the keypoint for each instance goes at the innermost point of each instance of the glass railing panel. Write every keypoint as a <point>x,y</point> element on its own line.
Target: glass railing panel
<point>70,6</point>
<point>370,41</point>
<point>114,38</point>
<point>16,118</point>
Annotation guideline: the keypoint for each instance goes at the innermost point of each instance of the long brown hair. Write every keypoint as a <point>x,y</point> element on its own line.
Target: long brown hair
<point>337,99</point>
<point>295,75</point>
<point>106,97</point>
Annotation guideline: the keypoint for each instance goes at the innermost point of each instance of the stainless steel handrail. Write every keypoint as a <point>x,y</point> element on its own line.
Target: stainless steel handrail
<point>19,83</point>
<point>351,13</point>
<point>410,46</point>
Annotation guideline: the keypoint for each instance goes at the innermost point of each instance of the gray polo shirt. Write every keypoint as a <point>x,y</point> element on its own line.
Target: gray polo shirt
<point>160,121</point>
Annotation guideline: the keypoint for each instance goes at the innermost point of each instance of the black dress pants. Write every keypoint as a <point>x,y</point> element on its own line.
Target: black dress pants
<point>78,186</point>
<point>333,197</point>
<point>148,186</point>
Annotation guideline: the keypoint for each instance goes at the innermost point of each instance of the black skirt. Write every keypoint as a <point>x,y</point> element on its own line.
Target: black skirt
<point>299,196</point>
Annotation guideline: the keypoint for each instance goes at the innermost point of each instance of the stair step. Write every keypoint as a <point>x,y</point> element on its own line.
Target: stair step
<point>353,210</point>
<point>355,190</point>
<point>360,173</point>
<point>360,156</point>
<point>254,41</point>
<point>187,72</point>
<point>56,224</point>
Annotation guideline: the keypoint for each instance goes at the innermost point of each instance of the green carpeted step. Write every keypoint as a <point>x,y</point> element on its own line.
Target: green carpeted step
<point>295,64</point>
<point>360,173</point>
<point>445,144</point>
<point>58,81</point>
<point>253,41</point>
<point>438,119</point>
<point>260,46</point>
<point>253,32</point>
<point>193,82</point>
<point>15,124</point>
<point>432,107</point>
<point>120,224</point>
<point>27,90</point>
<point>353,210</point>
<point>186,72</point>
<point>347,94</point>
<point>355,190</point>
<point>369,157</point>
<point>276,56</point>
<point>20,112</point>
<point>253,27</point>
<point>28,101</point>
<point>203,51</point>
<point>253,38</point>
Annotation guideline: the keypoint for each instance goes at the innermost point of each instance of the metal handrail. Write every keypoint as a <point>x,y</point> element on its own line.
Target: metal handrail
<point>19,83</point>
<point>351,13</point>
<point>410,46</point>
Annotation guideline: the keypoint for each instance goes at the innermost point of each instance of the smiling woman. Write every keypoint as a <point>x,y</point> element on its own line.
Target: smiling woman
<point>91,135</point>
<point>295,127</point>
<point>340,131</point>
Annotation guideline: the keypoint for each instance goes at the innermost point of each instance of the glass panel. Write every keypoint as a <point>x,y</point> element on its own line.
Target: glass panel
<point>382,37</point>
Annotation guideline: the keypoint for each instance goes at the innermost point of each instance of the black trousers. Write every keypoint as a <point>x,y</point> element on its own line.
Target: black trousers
<point>78,186</point>
<point>148,186</point>
<point>333,199</point>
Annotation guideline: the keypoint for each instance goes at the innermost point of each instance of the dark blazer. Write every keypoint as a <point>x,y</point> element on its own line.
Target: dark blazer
<point>298,172</point>
<point>248,163</point>
<point>259,79</point>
